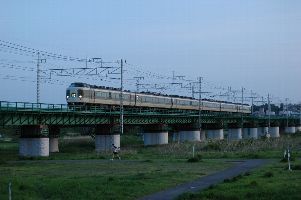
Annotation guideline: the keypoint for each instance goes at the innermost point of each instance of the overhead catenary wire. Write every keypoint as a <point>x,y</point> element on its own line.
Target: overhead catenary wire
<point>152,81</point>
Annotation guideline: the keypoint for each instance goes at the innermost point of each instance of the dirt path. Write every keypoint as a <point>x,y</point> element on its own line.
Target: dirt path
<point>205,182</point>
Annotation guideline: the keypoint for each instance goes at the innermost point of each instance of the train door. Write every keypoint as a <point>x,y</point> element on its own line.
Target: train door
<point>138,100</point>
<point>92,96</point>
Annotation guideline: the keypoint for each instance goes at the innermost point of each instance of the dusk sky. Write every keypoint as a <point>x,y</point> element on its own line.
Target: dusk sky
<point>255,44</point>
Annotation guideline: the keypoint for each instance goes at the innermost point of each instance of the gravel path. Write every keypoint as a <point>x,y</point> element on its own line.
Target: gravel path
<point>205,182</point>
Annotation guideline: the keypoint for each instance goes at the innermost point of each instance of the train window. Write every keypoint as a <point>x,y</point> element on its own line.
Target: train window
<point>68,93</point>
<point>104,94</point>
<point>126,96</point>
<point>80,93</point>
<point>110,95</point>
<point>73,94</point>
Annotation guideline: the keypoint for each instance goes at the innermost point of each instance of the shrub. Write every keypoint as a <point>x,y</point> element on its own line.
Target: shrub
<point>194,159</point>
<point>253,183</point>
<point>268,174</point>
<point>247,174</point>
<point>296,167</point>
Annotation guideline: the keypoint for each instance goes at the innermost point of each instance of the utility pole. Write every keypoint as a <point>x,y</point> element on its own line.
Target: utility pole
<point>192,90</point>
<point>269,110</point>
<point>300,115</point>
<point>252,98</point>
<point>39,76</point>
<point>200,103</point>
<point>138,78</point>
<point>286,108</point>
<point>121,96</point>
<point>242,103</point>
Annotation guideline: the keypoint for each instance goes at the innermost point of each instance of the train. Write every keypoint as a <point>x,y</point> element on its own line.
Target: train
<point>83,94</point>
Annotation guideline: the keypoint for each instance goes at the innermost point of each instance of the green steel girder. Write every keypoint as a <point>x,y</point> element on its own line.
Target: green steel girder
<point>34,114</point>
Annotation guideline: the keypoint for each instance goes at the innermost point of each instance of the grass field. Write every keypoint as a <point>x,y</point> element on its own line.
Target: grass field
<point>100,179</point>
<point>270,182</point>
<point>89,175</point>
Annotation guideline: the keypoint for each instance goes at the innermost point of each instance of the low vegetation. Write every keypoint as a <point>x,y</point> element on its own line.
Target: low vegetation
<point>78,172</point>
<point>98,179</point>
<point>274,181</point>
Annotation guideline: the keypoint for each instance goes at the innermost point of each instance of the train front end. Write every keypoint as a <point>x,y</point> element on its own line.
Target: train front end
<point>77,94</point>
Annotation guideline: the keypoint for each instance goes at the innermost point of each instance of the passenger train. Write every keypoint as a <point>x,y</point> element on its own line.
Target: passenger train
<point>85,94</point>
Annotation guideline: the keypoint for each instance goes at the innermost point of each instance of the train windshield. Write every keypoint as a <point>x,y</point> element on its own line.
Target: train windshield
<point>79,85</point>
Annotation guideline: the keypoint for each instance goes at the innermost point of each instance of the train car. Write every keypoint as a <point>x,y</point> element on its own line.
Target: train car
<point>85,94</point>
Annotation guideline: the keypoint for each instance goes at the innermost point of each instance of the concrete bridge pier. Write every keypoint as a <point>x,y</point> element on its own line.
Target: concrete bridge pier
<point>175,136</point>
<point>203,135</point>
<point>262,130</point>
<point>54,132</point>
<point>298,128</point>
<point>234,132</point>
<point>290,129</point>
<point>155,134</point>
<point>274,131</point>
<point>215,134</point>
<point>250,131</point>
<point>189,133</point>
<point>34,141</point>
<point>215,131</point>
<point>105,136</point>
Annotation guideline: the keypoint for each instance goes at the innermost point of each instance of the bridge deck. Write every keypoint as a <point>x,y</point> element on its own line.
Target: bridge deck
<point>24,113</point>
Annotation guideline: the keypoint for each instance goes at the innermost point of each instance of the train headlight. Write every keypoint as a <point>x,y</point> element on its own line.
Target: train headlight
<point>80,96</point>
<point>67,97</point>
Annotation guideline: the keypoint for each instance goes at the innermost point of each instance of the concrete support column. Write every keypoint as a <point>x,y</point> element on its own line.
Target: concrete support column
<point>250,133</point>
<point>155,138</point>
<point>105,136</point>
<point>104,142</point>
<point>34,147</point>
<point>175,136</point>
<point>234,131</point>
<point>234,134</point>
<point>262,131</point>
<point>34,141</point>
<point>190,136</point>
<point>203,135</point>
<point>274,131</point>
<point>215,134</point>
<point>253,133</point>
<point>53,145</point>
<point>245,133</point>
<point>290,129</point>
<point>155,134</point>
<point>54,132</point>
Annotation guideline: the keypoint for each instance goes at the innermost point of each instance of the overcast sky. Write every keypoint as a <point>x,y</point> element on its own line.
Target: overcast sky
<point>251,43</point>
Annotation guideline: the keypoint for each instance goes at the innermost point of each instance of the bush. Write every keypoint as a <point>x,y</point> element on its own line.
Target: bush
<point>194,159</point>
<point>247,174</point>
<point>268,174</point>
<point>212,146</point>
<point>296,167</point>
<point>253,183</point>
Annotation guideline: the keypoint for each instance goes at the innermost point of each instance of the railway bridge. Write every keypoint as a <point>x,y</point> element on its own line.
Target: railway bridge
<point>40,125</point>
